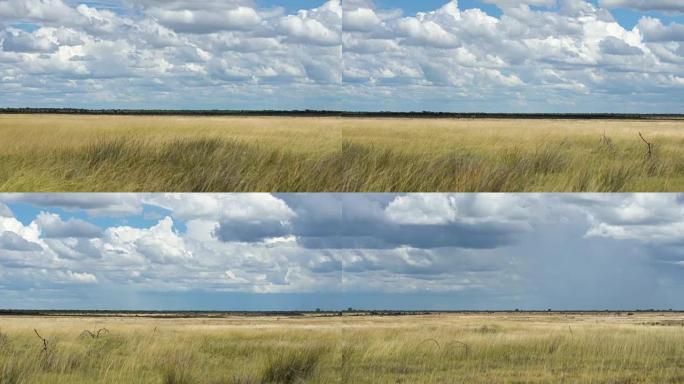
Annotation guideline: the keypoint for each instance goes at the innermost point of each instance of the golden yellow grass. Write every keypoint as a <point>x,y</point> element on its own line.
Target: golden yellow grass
<point>513,155</point>
<point>302,154</point>
<point>194,154</point>
<point>444,348</point>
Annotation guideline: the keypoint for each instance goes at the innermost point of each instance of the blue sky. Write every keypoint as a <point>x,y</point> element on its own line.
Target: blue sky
<point>625,16</point>
<point>333,251</point>
<point>458,56</point>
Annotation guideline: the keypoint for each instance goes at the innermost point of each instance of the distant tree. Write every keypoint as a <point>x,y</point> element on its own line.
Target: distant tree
<point>318,310</point>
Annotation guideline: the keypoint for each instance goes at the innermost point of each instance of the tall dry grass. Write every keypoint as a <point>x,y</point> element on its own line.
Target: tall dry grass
<point>198,154</point>
<point>496,348</point>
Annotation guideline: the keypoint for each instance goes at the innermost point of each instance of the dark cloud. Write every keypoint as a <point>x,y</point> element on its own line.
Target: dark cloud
<point>422,263</point>
<point>384,235</point>
<point>104,203</point>
<point>52,226</point>
<point>613,46</point>
<point>81,249</point>
<point>654,31</point>
<point>488,251</point>
<point>645,5</point>
<point>20,41</point>
<point>10,241</point>
<point>351,222</point>
<point>250,232</point>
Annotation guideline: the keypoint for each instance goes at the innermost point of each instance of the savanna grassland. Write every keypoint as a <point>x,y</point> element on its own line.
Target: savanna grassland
<point>312,154</point>
<point>436,348</point>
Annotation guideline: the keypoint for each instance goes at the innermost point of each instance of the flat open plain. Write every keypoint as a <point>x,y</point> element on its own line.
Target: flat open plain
<point>353,348</point>
<point>337,154</point>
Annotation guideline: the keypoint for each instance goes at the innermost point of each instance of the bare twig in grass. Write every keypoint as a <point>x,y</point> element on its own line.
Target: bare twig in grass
<point>649,152</point>
<point>95,335</point>
<point>46,350</point>
<point>87,333</point>
<point>570,329</point>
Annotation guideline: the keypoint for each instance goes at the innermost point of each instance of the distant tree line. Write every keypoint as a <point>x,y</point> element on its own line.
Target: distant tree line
<point>326,113</point>
<point>167,112</point>
<point>350,311</point>
<point>140,313</point>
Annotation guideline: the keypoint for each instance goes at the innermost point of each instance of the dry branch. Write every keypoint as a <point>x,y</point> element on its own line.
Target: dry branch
<point>94,335</point>
<point>45,342</point>
<point>87,333</point>
<point>649,153</point>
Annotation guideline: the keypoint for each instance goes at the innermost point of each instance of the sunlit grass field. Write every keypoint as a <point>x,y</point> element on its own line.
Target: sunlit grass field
<point>437,348</point>
<point>305,154</point>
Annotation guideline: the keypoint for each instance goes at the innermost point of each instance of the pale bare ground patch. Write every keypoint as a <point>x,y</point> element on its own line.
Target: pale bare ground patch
<point>435,348</point>
<point>64,153</point>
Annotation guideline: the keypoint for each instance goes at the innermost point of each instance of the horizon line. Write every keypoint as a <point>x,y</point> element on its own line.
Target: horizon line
<point>334,113</point>
<point>76,312</point>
